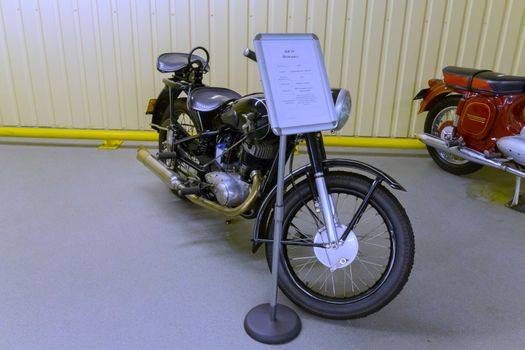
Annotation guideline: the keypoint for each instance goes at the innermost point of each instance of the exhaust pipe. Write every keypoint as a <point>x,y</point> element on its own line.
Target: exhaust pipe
<point>158,168</point>
<point>468,154</point>
<point>174,182</point>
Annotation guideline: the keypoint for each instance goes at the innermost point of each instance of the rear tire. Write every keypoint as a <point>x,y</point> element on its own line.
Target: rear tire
<point>439,121</point>
<point>186,124</point>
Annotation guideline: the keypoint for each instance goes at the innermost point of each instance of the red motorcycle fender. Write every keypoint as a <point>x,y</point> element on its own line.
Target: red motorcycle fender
<point>437,91</point>
<point>264,213</point>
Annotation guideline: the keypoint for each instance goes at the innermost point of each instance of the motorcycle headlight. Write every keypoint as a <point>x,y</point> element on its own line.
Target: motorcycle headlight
<point>343,106</point>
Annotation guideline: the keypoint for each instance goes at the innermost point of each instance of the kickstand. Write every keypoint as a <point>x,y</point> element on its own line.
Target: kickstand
<point>515,203</point>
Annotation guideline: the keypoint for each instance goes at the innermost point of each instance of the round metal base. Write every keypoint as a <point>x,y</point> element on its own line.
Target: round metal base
<point>260,326</point>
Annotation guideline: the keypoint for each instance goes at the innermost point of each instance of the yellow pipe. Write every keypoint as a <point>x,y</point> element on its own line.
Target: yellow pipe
<point>372,142</point>
<point>94,134</point>
<point>86,134</point>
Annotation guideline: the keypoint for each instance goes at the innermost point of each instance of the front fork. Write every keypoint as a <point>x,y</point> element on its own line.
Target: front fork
<point>317,154</point>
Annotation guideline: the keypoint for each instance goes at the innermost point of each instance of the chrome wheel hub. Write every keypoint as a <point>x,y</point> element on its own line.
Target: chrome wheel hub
<point>336,255</point>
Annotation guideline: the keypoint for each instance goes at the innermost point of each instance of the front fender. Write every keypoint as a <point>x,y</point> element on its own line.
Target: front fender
<point>265,210</point>
<point>437,90</point>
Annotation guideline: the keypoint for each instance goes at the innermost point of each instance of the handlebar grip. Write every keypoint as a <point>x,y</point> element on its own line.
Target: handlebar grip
<point>250,54</point>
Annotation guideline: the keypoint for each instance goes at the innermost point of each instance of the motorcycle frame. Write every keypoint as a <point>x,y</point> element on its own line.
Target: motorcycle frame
<point>263,208</point>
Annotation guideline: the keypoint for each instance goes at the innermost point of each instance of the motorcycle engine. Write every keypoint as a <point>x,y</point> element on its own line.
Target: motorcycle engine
<point>228,188</point>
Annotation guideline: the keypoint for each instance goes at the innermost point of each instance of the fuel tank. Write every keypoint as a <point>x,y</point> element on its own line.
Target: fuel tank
<point>248,114</point>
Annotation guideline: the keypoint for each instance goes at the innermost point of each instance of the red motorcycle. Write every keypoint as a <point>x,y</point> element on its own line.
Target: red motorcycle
<point>475,118</point>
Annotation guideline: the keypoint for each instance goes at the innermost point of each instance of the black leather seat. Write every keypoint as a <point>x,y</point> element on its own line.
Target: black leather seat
<point>207,99</point>
<point>461,71</point>
<point>479,80</point>
<point>173,61</point>
<point>459,77</point>
<point>499,83</point>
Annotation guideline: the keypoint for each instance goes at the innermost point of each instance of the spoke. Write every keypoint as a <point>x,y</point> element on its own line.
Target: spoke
<point>369,262</point>
<point>304,257</point>
<point>380,233</point>
<point>318,278</point>
<point>374,244</point>
<point>318,222</point>
<point>333,283</point>
<point>373,230</point>
<point>325,283</point>
<point>363,282</point>
<point>372,257</point>
<point>302,235</point>
<point>367,219</point>
<point>366,268</point>
<point>310,269</point>
<point>303,266</point>
<point>352,283</point>
<point>344,283</point>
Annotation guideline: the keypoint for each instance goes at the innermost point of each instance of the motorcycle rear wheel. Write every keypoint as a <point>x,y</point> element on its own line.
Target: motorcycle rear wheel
<point>439,121</point>
<point>186,125</point>
<point>375,276</point>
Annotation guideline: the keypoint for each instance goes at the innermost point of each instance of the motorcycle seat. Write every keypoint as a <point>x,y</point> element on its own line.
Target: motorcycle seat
<point>174,61</point>
<point>207,99</point>
<point>498,83</point>
<point>477,80</point>
<point>460,77</point>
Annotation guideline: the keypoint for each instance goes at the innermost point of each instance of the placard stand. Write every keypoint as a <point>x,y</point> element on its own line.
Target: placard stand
<point>275,323</point>
<point>299,100</point>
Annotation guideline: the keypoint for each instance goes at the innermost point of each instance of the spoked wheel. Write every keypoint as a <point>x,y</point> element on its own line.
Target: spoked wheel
<point>358,277</point>
<point>185,126</point>
<point>440,123</point>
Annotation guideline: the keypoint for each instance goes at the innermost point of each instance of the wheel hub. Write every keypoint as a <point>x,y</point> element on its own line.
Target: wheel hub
<point>338,255</point>
<point>447,132</point>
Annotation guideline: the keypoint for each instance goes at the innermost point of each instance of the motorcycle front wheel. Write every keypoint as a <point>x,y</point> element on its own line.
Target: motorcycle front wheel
<point>381,254</point>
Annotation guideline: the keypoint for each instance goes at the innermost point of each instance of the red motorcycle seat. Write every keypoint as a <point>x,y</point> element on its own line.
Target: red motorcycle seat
<point>478,80</point>
<point>459,77</point>
<point>498,83</point>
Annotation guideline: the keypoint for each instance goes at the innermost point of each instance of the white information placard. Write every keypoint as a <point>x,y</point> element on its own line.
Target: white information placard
<point>295,83</point>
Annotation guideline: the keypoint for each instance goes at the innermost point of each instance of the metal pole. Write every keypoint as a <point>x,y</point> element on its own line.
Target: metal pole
<point>278,221</point>
<point>517,190</point>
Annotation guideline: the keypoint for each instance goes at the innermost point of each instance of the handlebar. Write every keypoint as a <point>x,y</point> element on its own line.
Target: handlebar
<point>250,54</point>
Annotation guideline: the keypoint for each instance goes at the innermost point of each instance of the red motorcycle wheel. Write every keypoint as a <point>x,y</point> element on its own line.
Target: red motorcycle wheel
<point>440,123</point>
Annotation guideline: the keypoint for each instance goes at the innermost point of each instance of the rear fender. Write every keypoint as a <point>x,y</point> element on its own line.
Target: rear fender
<point>162,102</point>
<point>264,215</point>
<point>437,91</point>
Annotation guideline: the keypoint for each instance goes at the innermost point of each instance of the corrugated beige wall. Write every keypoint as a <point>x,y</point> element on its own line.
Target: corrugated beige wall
<point>91,63</point>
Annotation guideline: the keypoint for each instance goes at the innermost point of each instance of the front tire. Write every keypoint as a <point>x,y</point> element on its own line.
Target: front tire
<point>373,278</point>
<point>440,123</point>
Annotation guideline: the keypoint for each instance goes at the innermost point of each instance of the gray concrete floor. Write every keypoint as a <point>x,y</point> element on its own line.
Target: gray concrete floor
<point>96,253</point>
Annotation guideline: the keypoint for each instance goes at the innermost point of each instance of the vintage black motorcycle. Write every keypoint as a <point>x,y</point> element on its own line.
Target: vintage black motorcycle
<point>217,150</point>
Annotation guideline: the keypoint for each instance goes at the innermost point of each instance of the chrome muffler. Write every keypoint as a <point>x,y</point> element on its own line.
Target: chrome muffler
<point>158,168</point>
<point>468,154</point>
<point>174,182</point>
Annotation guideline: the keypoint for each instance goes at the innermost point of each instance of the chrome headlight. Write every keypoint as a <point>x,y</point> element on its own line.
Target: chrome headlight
<point>343,106</point>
